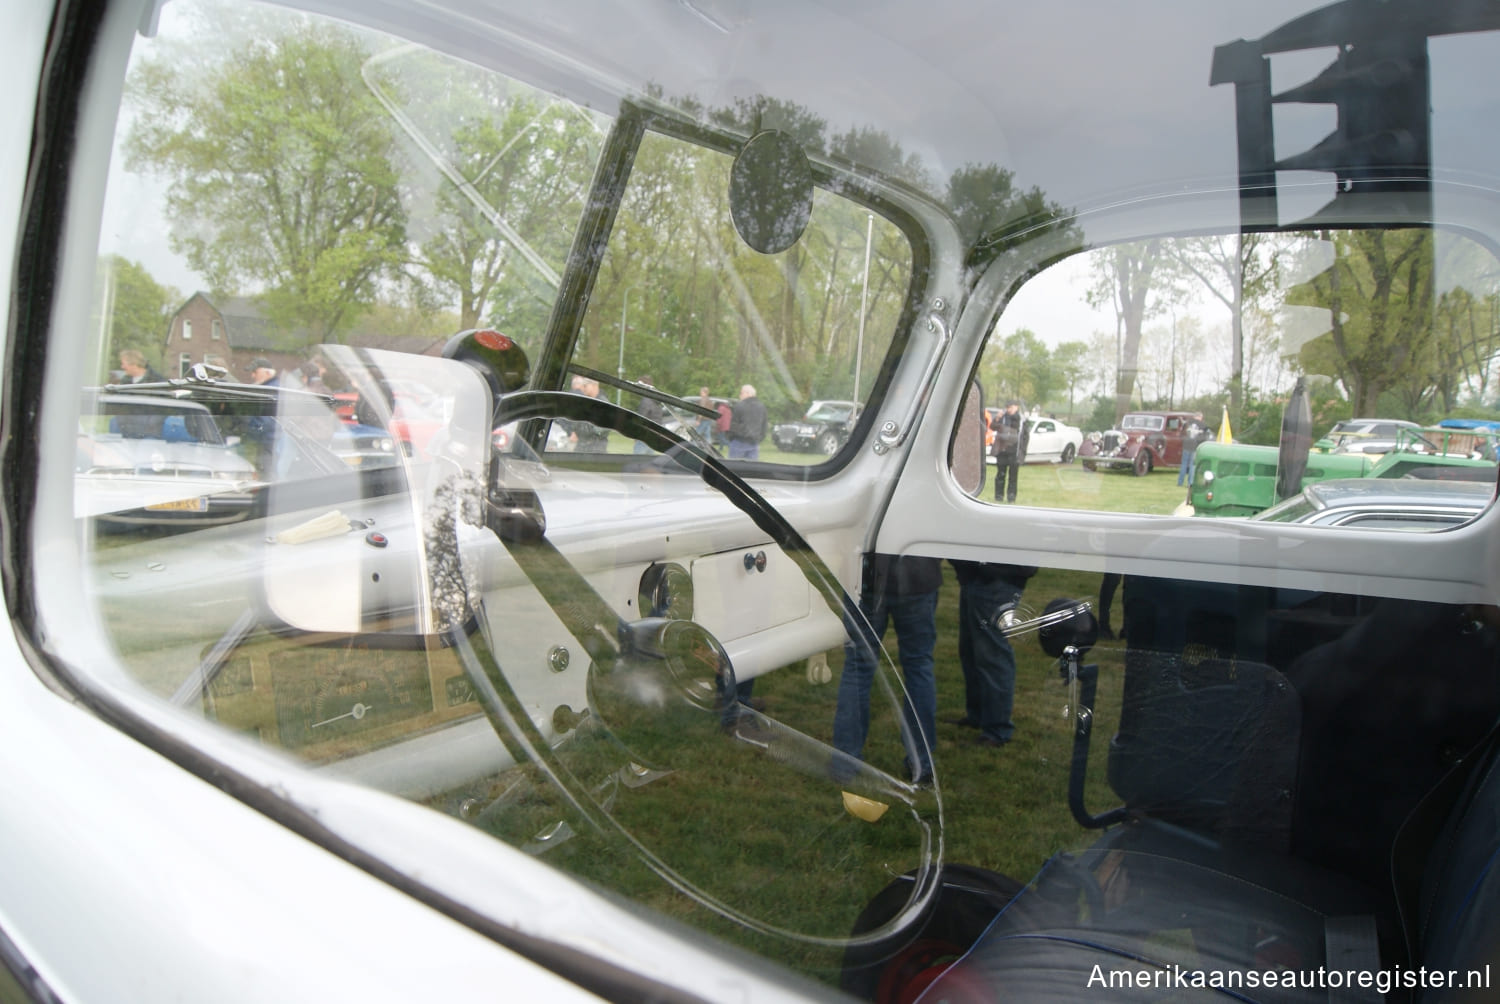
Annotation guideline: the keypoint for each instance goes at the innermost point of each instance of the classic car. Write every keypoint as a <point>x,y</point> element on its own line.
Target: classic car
<point>1144,441</point>
<point>1051,441</point>
<point>617,723</point>
<point>1362,435</point>
<point>1239,479</point>
<point>825,428</point>
<point>154,457</point>
<point>360,445</point>
<point>1384,503</point>
<point>409,412</point>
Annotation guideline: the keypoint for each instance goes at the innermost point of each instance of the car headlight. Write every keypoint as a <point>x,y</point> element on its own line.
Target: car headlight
<point>385,444</point>
<point>1208,477</point>
<point>1095,437</point>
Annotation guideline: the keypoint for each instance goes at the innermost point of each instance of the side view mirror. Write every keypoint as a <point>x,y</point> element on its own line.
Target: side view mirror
<point>966,458</point>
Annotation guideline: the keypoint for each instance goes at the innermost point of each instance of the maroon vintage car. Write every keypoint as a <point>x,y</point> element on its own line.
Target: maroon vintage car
<point>1144,440</point>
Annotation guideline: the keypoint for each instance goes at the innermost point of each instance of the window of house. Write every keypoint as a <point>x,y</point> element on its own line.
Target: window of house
<point>187,330</point>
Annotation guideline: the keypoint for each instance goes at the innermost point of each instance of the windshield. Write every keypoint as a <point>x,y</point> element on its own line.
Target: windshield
<point>830,413</point>
<point>1148,422</point>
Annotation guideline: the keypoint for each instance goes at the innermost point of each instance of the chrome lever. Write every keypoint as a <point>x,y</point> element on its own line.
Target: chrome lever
<point>1006,620</point>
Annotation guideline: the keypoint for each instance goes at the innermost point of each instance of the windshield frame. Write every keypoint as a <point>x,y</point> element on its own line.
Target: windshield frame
<point>554,364</point>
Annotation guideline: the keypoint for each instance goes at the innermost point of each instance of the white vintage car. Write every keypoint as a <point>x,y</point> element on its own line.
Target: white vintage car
<point>506,719</point>
<point>1051,440</point>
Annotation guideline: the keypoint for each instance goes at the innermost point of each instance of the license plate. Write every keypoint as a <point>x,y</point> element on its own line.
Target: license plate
<point>199,504</point>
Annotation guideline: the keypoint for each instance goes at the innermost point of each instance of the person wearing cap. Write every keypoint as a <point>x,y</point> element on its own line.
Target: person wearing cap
<point>1009,450</point>
<point>263,373</point>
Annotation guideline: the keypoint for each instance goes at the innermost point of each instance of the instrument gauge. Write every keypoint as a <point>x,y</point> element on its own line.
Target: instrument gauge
<point>666,590</point>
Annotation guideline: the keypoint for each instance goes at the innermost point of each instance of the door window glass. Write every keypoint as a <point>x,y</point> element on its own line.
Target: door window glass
<point>1174,361</point>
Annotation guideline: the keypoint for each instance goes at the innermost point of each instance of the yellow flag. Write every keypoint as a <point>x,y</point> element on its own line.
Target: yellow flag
<point>1226,435</point>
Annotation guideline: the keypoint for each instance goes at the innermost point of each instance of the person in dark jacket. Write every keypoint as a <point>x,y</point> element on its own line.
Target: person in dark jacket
<point>1011,434</point>
<point>650,409</point>
<point>985,591</point>
<point>1193,436</point>
<point>138,426</point>
<point>137,370</point>
<point>902,592</point>
<point>747,427</point>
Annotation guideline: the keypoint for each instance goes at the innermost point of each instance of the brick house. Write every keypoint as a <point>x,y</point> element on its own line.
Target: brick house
<point>235,334</point>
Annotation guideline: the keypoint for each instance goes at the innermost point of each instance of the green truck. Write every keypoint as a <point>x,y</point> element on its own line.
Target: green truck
<point>1238,479</point>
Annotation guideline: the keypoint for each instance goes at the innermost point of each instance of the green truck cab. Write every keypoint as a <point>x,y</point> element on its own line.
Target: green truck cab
<point>1239,479</point>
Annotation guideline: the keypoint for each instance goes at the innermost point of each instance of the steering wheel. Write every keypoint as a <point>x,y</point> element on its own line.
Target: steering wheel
<point>662,691</point>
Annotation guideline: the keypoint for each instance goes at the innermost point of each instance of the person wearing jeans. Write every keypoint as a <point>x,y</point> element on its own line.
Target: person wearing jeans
<point>985,591</point>
<point>1011,435</point>
<point>899,592</point>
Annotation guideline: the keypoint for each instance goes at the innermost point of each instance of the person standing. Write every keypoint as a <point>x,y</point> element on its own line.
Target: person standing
<point>902,592</point>
<point>1192,437</point>
<point>1009,451</point>
<point>312,373</point>
<point>587,437</point>
<point>747,426</point>
<point>721,427</point>
<point>985,591</point>
<point>264,374</point>
<point>138,426</point>
<point>137,370</point>
<point>651,409</point>
<point>706,424</point>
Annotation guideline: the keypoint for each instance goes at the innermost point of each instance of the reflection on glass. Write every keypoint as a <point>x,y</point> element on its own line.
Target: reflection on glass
<point>1164,368</point>
<point>705,310</point>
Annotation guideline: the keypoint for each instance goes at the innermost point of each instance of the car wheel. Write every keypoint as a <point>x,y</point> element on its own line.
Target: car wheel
<point>1067,453</point>
<point>828,443</point>
<point>1142,465</point>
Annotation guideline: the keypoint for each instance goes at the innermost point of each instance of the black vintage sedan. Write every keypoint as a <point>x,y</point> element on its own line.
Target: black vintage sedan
<point>825,428</point>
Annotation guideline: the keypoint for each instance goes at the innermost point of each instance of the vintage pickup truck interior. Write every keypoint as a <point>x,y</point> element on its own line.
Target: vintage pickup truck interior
<point>558,699</point>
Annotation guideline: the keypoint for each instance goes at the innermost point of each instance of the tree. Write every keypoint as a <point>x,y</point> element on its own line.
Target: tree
<point>1236,270</point>
<point>1072,363</point>
<point>138,307</point>
<point>1378,293</point>
<point>282,174</point>
<point>1124,275</point>
<point>992,213</point>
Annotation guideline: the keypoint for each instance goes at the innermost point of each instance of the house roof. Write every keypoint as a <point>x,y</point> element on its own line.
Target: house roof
<point>246,327</point>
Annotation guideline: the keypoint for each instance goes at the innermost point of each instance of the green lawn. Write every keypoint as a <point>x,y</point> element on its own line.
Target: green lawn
<point>1069,486</point>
